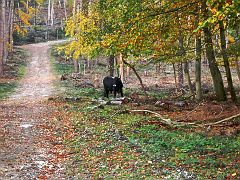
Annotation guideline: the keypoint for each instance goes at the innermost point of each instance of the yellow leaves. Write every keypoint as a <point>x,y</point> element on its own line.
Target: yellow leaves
<point>19,30</point>
<point>83,29</point>
<point>24,15</point>
<point>39,1</point>
<point>231,39</point>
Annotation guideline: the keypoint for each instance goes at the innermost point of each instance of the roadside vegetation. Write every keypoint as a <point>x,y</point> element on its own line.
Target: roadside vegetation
<point>14,71</point>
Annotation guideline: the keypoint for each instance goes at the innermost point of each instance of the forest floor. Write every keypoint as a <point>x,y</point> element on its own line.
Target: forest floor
<point>30,147</point>
<point>47,132</point>
<point>130,141</point>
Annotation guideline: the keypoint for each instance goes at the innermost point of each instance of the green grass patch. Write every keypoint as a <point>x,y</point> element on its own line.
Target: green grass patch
<point>59,67</point>
<point>114,144</point>
<point>6,89</point>
<point>19,69</point>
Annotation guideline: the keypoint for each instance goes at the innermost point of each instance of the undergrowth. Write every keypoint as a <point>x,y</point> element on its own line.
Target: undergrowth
<point>6,89</point>
<point>12,78</point>
<point>111,143</point>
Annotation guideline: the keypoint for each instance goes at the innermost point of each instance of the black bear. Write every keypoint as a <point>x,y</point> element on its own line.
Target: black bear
<point>112,84</point>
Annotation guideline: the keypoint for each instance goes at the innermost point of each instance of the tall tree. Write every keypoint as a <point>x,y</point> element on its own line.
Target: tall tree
<point>198,67</point>
<point>2,20</point>
<point>226,62</point>
<point>198,49</point>
<point>216,75</point>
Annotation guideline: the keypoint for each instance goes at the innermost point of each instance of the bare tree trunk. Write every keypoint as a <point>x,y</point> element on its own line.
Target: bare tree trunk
<point>5,32</point>
<point>198,68</point>
<point>11,16</point>
<point>157,68</point>
<point>226,62</point>
<point>237,54</point>
<point>2,17</point>
<point>49,12</point>
<point>187,76</point>
<point>76,66</point>
<point>139,78</point>
<point>65,9</point>
<point>88,63</point>
<point>111,65</point>
<point>175,76</point>
<point>52,13</point>
<point>237,67</point>
<point>215,73</point>
<point>128,71</point>
<point>180,77</point>
<point>182,53</point>
<point>74,8</point>
<point>121,68</point>
<point>75,61</point>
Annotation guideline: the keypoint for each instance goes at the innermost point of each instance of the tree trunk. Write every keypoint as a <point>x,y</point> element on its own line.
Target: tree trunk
<point>226,62</point>
<point>52,14</point>
<point>49,12</point>
<point>76,66</point>
<point>128,71</point>
<point>35,14</point>
<point>180,77</point>
<point>215,73</point>
<point>2,16</point>
<point>75,61</point>
<point>237,54</point>
<point>187,76</point>
<point>74,8</point>
<point>157,68</point>
<point>65,9</point>
<point>198,68</point>
<point>139,78</point>
<point>5,34</point>
<point>111,65</point>
<point>237,67</point>
<point>121,68</point>
<point>175,76</point>
<point>11,16</point>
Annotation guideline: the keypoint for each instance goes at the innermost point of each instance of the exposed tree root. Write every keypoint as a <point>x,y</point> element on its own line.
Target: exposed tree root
<point>163,120</point>
<point>223,120</point>
<point>171,123</point>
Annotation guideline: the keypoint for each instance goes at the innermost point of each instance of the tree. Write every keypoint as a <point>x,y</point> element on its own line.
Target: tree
<point>153,30</point>
<point>2,24</point>
<point>226,62</point>
<point>216,75</point>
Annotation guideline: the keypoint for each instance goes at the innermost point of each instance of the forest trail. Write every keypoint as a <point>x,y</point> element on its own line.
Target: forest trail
<point>26,123</point>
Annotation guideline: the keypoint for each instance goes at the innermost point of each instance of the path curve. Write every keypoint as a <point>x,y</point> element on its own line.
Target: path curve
<point>26,122</point>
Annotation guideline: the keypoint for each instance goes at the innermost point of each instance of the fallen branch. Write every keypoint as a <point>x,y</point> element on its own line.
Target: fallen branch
<point>223,120</point>
<point>163,120</point>
<point>171,123</point>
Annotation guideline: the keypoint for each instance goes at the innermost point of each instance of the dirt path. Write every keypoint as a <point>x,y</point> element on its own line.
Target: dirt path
<point>26,137</point>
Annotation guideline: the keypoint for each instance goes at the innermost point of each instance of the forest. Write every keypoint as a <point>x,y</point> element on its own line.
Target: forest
<point>171,112</point>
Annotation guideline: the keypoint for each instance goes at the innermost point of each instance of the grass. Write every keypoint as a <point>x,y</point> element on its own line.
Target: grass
<point>59,68</point>
<point>114,144</point>
<point>8,87</point>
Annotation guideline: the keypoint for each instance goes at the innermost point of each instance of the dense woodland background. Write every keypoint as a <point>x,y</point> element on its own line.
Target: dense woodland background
<point>175,33</point>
